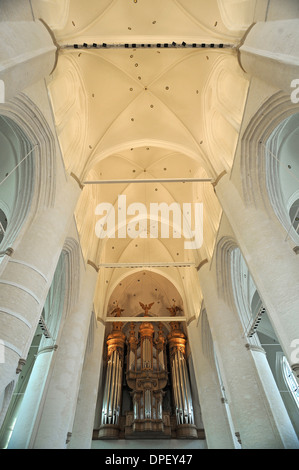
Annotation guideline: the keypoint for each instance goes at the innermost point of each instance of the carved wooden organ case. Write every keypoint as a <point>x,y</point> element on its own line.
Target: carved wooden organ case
<point>147,376</point>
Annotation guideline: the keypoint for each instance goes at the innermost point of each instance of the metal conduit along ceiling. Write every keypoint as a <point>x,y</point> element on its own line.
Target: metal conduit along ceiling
<point>152,91</point>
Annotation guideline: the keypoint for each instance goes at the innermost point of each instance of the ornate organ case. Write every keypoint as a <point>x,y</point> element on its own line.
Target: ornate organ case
<point>147,377</point>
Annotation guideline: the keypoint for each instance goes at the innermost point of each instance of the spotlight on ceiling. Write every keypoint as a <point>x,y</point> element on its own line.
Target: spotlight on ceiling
<point>183,43</point>
<point>203,45</point>
<point>76,46</point>
<point>94,45</point>
<point>84,45</point>
<point>104,44</point>
<point>221,46</point>
<point>158,45</point>
<point>174,44</point>
<point>194,45</point>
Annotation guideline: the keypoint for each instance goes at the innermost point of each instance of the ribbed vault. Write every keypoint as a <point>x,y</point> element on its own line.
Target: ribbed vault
<point>147,91</point>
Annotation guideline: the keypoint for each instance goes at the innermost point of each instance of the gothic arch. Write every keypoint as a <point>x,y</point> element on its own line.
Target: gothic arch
<point>71,249</point>
<point>253,164</point>
<point>223,252</point>
<point>156,276</point>
<point>282,171</point>
<point>61,298</point>
<point>35,171</point>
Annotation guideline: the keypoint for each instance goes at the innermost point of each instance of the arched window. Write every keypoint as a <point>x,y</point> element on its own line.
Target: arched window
<point>282,168</point>
<point>290,380</point>
<point>3,224</point>
<point>294,215</point>
<point>32,379</point>
<point>16,180</point>
<point>259,331</point>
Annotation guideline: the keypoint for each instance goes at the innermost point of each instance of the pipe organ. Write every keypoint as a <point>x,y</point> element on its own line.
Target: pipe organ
<point>149,350</point>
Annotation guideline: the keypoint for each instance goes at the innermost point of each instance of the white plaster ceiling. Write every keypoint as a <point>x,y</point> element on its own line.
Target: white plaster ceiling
<point>147,113</point>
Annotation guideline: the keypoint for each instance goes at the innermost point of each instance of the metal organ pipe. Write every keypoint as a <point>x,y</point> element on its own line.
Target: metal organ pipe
<point>119,387</point>
<point>188,392</point>
<point>106,393</point>
<point>114,388</point>
<point>181,360</point>
<point>180,378</point>
<point>113,383</point>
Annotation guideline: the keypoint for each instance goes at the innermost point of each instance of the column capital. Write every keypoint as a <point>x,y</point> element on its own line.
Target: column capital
<point>201,264</point>
<point>216,181</point>
<point>28,55</point>
<point>270,52</point>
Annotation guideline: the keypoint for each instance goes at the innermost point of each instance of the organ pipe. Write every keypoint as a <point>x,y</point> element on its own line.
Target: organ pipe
<point>180,379</point>
<point>113,384</point>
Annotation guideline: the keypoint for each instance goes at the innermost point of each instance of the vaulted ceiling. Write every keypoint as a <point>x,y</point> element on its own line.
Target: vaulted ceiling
<point>136,96</point>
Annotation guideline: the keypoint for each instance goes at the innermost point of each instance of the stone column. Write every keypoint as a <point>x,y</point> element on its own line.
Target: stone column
<point>27,277</point>
<point>276,404</point>
<point>272,263</point>
<point>27,54</point>
<point>253,418</point>
<point>56,421</point>
<point>270,52</point>
<point>85,413</point>
<point>216,424</point>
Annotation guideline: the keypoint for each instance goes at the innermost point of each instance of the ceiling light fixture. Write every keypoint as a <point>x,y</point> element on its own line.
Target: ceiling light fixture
<point>134,46</point>
<point>174,264</point>
<point>157,180</point>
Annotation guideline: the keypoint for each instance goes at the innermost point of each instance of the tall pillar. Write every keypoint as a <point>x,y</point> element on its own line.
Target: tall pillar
<point>252,415</point>
<point>276,403</point>
<point>270,52</point>
<point>27,54</point>
<point>213,409</point>
<point>26,279</point>
<point>29,409</point>
<point>56,420</point>
<point>272,264</point>
<point>87,399</point>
